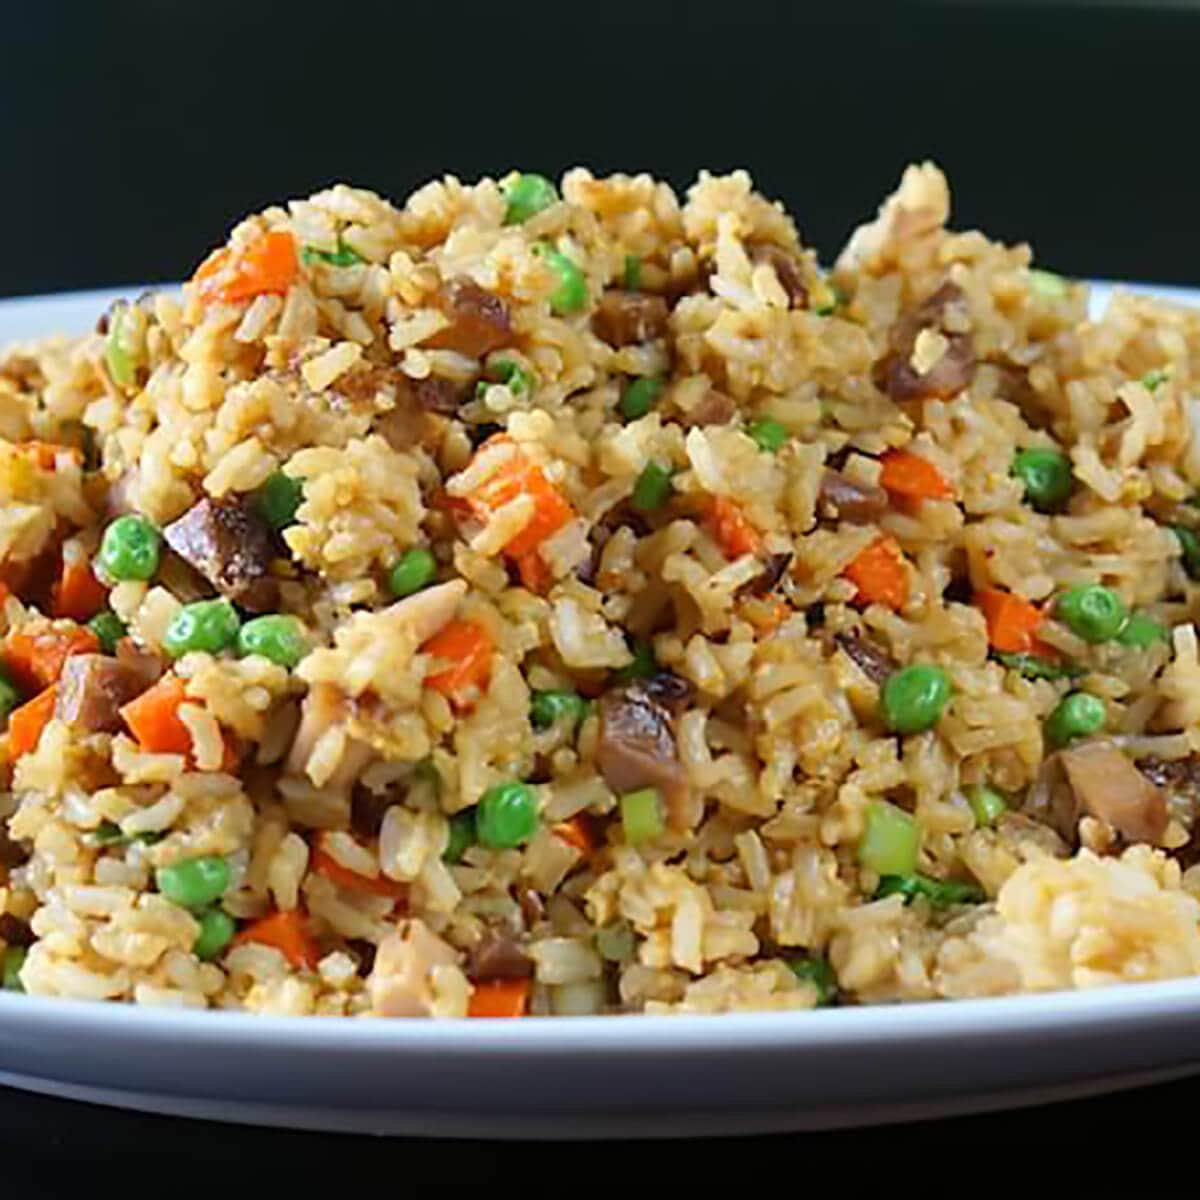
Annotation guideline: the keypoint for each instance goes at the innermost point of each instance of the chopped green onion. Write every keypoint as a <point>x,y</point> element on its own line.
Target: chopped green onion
<point>837,299</point>
<point>1155,378</point>
<point>639,398</point>
<point>508,372</point>
<point>1033,666</point>
<point>1048,285</point>
<point>890,840</point>
<point>641,815</point>
<point>107,833</point>
<point>1189,544</point>
<point>462,836</point>
<point>10,973</point>
<point>644,664</point>
<point>653,488</point>
<point>10,697</point>
<point>770,435</point>
<point>343,256</point>
<point>1140,631</point>
<point>109,630</point>
<point>633,273</point>
<point>941,893</point>
<point>987,805</point>
<point>814,969</point>
<point>119,361</point>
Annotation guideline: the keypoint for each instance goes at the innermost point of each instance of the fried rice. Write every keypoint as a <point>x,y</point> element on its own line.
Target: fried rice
<point>561,599</point>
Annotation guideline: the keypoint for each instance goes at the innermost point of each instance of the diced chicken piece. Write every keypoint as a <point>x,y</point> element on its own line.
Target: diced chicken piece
<point>479,320</point>
<point>629,318</point>
<point>637,749</point>
<point>842,499</point>
<point>1110,787</point>
<point>231,547</point>
<point>92,689</point>
<point>400,984</point>
<point>498,956</point>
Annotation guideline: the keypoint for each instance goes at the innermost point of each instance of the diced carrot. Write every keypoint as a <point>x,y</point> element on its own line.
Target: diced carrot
<point>45,454</point>
<point>78,594</point>
<point>879,574</point>
<point>5,591</point>
<point>325,864</point>
<point>520,476</point>
<point>267,264</point>
<point>1012,621</point>
<point>534,573</point>
<point>500,998</point>
<point>911,476</point>
<point>729,527</point>
<point>153,718</point>
<point>288,933</point>
<point>577,832</point>
<point>34,660</point>
<point>25,724</point>
<point>467,647</point>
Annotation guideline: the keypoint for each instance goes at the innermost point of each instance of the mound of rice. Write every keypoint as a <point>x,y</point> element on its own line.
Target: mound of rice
<point>612,530</point>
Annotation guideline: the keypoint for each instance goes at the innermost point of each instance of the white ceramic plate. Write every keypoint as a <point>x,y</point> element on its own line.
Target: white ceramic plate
<point>591,1076</point>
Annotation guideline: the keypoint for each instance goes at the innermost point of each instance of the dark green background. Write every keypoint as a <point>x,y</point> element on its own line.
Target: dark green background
<point>132,134</point>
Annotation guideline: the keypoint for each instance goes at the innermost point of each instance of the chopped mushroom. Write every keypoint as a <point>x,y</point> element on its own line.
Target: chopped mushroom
<point>636,749</point>
<point>906,376</point>
<point>842,499</point>
<point>232,547</point>
<point>498,956</point>
<point>628,318</point>
<point>479,320</point>
<point>1110,787</point>
<point>92,690</point>
<point>400,984</point>
<point>787,270</point>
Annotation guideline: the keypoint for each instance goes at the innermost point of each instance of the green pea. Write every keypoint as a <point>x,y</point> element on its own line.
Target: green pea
<point>1048,285</point>
<point>208,625</point>
<point>770,435</point>
<point>1093,612</point>
<point>10,697</point>
<point>814,969</point>
<point>546,708</point>
<point>1189,544</point>
<point>571,293</point>
<point>130,549</point>
<point>1046,475</point>
<point>508,372</point>
<point>639,398</point>
<point>277,499</point>
<point>1140,631</point>
<point>914,697</point>
<point>217,928</point>
<point>195,882</point>
<point>109,630</point>
<point>275,636</point>
<point>117,358</point>
<point>890,840</point>
<point>1076,715</point>
<point>644,664</point>
<point>507,815</point>
<point>987,805</point>
<point>837,299</point>
<point>10,973</point>
<point>416,570</point>
<point>1156,378</point>
<point>632,277</point>
<point>527,196</point>
<point>1033,666</point>
<point>642,816</point>
<point>462,836</point>
<point>343,256</point>
<point>653,488</point>
<point>941,893</point>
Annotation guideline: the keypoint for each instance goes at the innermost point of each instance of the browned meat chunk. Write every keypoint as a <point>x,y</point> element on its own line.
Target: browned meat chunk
<point>870,657</point>
<point>437,395</point>
<point>637,748</point>
<point>670,690</point>
<point>952,371</point>
<point>231,547</point>
<point>841,499</point>
<point>498,956</point>
<point>787,271</point>
<point>627,318</point>
<point>715,408</point>
<point>479,321</point>
<point>1110,787</point>
<point>91,690</point>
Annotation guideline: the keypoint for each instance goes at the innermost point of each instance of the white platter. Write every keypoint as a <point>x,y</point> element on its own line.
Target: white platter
<point>589,1076</point>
